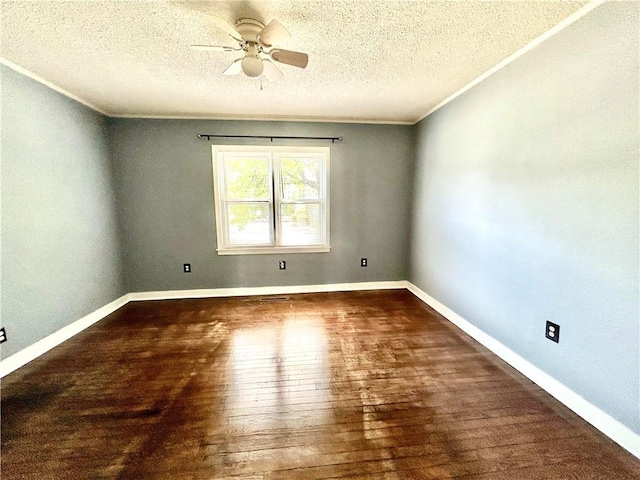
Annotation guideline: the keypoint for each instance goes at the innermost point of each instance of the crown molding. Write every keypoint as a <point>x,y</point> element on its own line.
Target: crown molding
<point>52,86</point>
<point>511,58</point>
<point>261,118</point>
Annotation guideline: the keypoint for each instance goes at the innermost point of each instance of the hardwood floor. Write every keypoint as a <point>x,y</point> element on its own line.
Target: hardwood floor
<point>369,385</point>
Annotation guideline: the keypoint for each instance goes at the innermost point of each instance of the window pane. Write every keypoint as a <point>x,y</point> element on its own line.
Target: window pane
<point>301,178</point>
<point>249,223</point>
<point>301,224</point>
<point>247,178</point>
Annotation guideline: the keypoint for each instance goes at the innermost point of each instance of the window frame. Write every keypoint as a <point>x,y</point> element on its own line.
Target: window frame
<point>275,202</point>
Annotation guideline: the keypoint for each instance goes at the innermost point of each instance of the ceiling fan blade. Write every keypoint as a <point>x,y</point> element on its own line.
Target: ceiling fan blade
<point>273,33</point>
<point>235,68</point>
<point>213,48</point>
<point>227,27</point>
<point>296,59</point>
<point>271,72</point>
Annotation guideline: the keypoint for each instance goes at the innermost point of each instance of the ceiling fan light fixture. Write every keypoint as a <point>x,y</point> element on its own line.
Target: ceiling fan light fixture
<point>252,66</point>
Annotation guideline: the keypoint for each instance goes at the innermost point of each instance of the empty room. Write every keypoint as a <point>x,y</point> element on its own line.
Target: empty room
<point>295,239</point>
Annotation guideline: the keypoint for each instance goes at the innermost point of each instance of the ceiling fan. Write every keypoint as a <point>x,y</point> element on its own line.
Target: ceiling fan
<point>256,41</point>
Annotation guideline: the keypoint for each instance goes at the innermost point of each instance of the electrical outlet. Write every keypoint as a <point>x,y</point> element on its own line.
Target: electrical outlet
<point>3,335</point>
<point>186,267</point>
<point>552,331</point>
<point>363,262</point>
<point>282,265</point>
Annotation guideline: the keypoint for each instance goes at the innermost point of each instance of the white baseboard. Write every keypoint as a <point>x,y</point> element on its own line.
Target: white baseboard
<point>612,428</point>
<point>275,290</point>
<point>33,351</point>
<point>608,425</point>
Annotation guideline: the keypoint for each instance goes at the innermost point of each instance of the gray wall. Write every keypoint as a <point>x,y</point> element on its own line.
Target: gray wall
<point>60,251</point>
<point>526,207</point>
<point>166,205</point>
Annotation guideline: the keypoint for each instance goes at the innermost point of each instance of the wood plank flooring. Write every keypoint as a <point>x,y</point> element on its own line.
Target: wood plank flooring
<point>367,385</point>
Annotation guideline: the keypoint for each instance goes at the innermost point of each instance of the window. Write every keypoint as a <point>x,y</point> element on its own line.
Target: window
<point>271,199</point>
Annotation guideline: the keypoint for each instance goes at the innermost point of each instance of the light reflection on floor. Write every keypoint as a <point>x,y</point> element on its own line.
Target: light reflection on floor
<point>281,373</point>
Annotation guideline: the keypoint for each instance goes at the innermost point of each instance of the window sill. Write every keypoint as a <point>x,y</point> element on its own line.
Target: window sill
<point>273,250</point>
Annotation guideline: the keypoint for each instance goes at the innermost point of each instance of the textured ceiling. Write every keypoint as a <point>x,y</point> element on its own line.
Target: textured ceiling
<point>372,61</point>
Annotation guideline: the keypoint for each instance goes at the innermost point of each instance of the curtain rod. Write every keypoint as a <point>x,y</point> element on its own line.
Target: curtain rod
<point>271,137</point>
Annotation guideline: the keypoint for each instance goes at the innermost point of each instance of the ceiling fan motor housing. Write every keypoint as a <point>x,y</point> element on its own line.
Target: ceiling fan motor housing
<point>249,29</point>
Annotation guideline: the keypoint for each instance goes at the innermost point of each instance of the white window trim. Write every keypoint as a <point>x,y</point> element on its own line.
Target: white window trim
<point>274,152</point>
